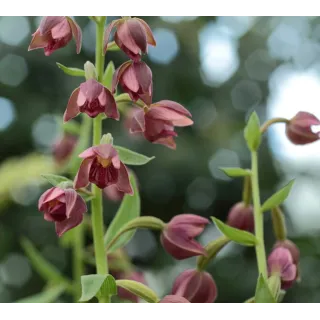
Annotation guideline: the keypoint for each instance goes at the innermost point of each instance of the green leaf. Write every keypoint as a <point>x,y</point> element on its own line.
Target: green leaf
<point>75,72</point>
<point>132,158</point>
<point>97,285</point>
<point>139,290</point>
<point>47,296</point>
<point>108,74</point>
<point>252,132</point>
<point>274,284</point>
<point>55,179</point>
<point>236,172</point>
<point>277,198</point>
<point>44,268</point>
<point>263,293</point>
<point>242,237</point>
<point>129,210</point>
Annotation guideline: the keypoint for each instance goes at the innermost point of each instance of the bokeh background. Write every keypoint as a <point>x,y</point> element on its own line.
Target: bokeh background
<point>221,69</point>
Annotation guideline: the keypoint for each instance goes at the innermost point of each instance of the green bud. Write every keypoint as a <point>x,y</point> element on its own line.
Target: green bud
<point>90,71</point>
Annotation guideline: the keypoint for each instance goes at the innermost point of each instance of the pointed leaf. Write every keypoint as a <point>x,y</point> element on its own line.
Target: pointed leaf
<point>277,198</point>
<point>75,72</point>
<point>47,296</point>
<point>108,74</point>
<point>236,172</point>
<point>139,290</point>
<point>96,285</point>
<point>132,158</point>
<point>44,268</point>
<point>129,210</point>
<point>242,237</point>
<point>252,132</point>
<point>263,293</point>
<point>55,179</point>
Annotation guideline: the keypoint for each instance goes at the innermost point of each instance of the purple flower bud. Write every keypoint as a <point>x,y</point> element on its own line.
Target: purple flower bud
<point>173,299</point>
<point>54,33</point>
<point>299,131</point>
<point>280,262</point>
<point>134,275</point>
<point>178,236</point>
<point>135,79</point>
<point>64,207</point>
<point>91,98</point>
<point>157,122</point>
<point>241,217</point>
<point>196,286</point>
<point>132,36</point>
<point>294,250</point>
<point>63,148</point>
<point>102,166</point>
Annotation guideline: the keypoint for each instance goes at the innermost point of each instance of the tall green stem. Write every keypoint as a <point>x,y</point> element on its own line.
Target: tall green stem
<point>77,264</point>
<point>258,216</point>
<point>96,203</point>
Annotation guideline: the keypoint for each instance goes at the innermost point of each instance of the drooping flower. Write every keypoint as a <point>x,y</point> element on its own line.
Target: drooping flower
<point>55,33</point>
<point>135,79</point>
<point>63,148</point>
<point>101,166</point>
<point>196,286</point>
<point>295,253</point>
<point>132,36</point>
<point>280,262</point>
<point>299,128</point>
<point>91,98</point>
<point>157,122</point>
<point>178,236</point>
<point>64,207</point>
<point>135,276</point>
<point>173,299</point>
<point>241,217</point>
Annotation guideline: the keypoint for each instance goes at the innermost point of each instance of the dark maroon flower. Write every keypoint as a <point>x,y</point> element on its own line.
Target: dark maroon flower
<point>64,207</point>
<point>173,299</point>
<point>132,36</point>
<point>241,217</point>
<point>157,122</point>
<point>63,148</point>
<point>91,98</point>
<point>55,33</point>
<point>280,262</point>
<point>101,165</point>
<point>196,286</point>
<point>135,276</point>
<point>178,236</point>
<point>298,129</point>
<point>135,79</point>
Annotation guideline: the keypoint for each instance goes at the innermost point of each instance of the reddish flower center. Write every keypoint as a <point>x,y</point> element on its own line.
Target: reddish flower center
<point>54,44</point>
<point>104,162</point>
<point>93,108</point>
<point>57,210</point>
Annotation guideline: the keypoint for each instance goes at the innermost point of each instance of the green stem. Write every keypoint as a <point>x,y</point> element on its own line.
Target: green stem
<point>258,216</point>
<point>246,193</point>
<point>78,265</point>
<point>270,122</point>
<point>96,203</point>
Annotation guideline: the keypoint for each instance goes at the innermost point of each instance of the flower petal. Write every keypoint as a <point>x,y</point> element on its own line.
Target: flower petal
<point>43,198</point>
<point>71,197</point>
<point>124,35</point>
<point>173,299</point>
<point>72,109</point>
<point>129,79</point>
<point>91,89</point>
<point>174,106</point>
<point>82,178</point>
<point>76,33</point>
<point>65,225</point>
<point>150,38</point>
<point>143,74</point>
<point>38,41</point>
<point>138,34</point>
<point>111,110</point>
<point>50,195</point>
<point>107,34</point>
<point>123,183</point>
<point>61,30</point>
<point>88,153</point>
<point>137,122</point>
<point>118,74</point>
<point>105,151</point>
<point>47,23</point>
